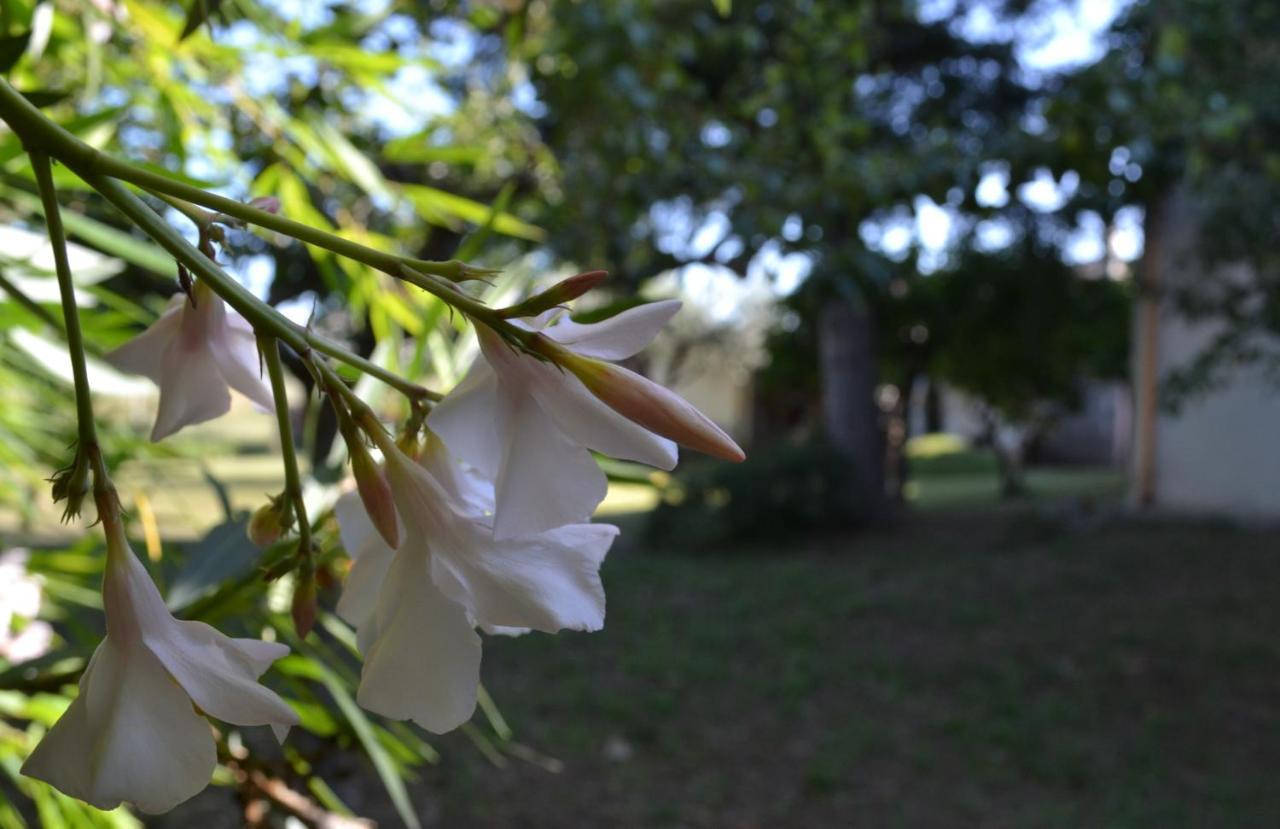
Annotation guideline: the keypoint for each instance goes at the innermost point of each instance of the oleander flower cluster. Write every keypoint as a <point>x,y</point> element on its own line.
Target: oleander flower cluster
<point>475,522</point>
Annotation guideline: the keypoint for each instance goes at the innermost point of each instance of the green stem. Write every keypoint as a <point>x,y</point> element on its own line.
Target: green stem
<point>37,130</point>
<point>66,289</point>
<point>335,385</point>
<point>270,350</point>
<point>473,308</point>
<point>200,218</point>
<point>263,317</point>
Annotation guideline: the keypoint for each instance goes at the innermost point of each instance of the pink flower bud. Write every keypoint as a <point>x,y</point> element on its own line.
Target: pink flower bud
<point>375,493</point>
<point>563,291</point>
<point>650,405</point>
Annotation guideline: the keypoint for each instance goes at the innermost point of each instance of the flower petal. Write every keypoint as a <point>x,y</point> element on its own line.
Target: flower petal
<point>591,422</point>
<point>618,337</point>
<point>220,674</point>
<point>364,581</point>
<point>467,419</point>
<point>464,483</point>
<point>217,672</point>
<point>585,419</point>
<point>191,391</point>
<point>236,353</point>
<point>131,735</point>
<point>354,526</point>
<point>145,353</point>
<point>423,660</point>
<point>546,479</point>
<point>548,582</point>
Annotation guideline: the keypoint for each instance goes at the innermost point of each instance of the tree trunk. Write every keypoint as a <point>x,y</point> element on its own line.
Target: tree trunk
<point>934,416</point>
<point>847,361</point>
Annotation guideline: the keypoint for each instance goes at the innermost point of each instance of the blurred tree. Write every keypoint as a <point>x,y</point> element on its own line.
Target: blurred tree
<point>1183,106</point>
<point>770,127</point>
<point>1022,331</point>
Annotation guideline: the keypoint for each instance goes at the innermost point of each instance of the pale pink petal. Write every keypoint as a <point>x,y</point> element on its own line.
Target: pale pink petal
<point>236,353</point>
<point>546,478</point>
<point>618,337</point>
<point>591,422</point>
<point>423,658</point>
<point>364,583</point>
<point>354,526</point>
<point>145,353</point>
<point>191,391</point>
<point>220,673</point>
<point>464,483</point>
<point>217,672</point>
<point>130,736</point>
<point>467,419</point>
<point>548,582</point>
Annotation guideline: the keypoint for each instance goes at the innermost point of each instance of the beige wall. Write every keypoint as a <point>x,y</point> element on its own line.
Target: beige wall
<point>1219,453</point>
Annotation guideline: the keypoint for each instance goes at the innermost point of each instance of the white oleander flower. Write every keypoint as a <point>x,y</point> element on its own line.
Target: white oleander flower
<point>416,608</point>
<point>195,355</point>
<point>136,732</point>
<point>528,424</point>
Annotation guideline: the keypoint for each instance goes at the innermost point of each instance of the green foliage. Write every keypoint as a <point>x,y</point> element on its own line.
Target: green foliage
<point>782,491</point>
<point>756,116</point>
<point>1022,328</point>
<point>277,106</point>
<point>1184,104</point>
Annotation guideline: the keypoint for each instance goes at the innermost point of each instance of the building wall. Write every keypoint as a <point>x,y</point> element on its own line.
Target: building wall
<point>1219,452</point>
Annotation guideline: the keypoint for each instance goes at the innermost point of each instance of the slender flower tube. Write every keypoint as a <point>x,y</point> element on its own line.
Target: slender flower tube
<point>135,733</point>
<point>195,355</point>
<point>416,608</point>
<point>528,424</point>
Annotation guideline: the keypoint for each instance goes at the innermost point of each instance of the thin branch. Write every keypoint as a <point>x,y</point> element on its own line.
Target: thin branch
<point>270,350</point>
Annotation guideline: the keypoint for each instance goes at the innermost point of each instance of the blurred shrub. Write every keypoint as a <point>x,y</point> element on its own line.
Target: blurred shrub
<point>780,492</point>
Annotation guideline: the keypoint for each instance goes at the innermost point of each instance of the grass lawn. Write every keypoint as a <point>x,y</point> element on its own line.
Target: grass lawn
<point>982,668</point>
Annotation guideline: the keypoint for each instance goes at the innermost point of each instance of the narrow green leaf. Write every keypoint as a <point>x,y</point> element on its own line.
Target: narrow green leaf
<point>474,243</point>
<point>365,733</point>
<point>197,16</point>
<point>12,48</point>
<point>41,98</point>
<point>447,209</point>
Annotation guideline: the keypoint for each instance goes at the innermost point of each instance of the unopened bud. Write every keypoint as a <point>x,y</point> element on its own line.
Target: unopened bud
<point>269,522</point>
<point>325,578</point>
<point>375,493</point>
<point>303,608</point>
<point>648,404</point>
<point>564,291</point>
